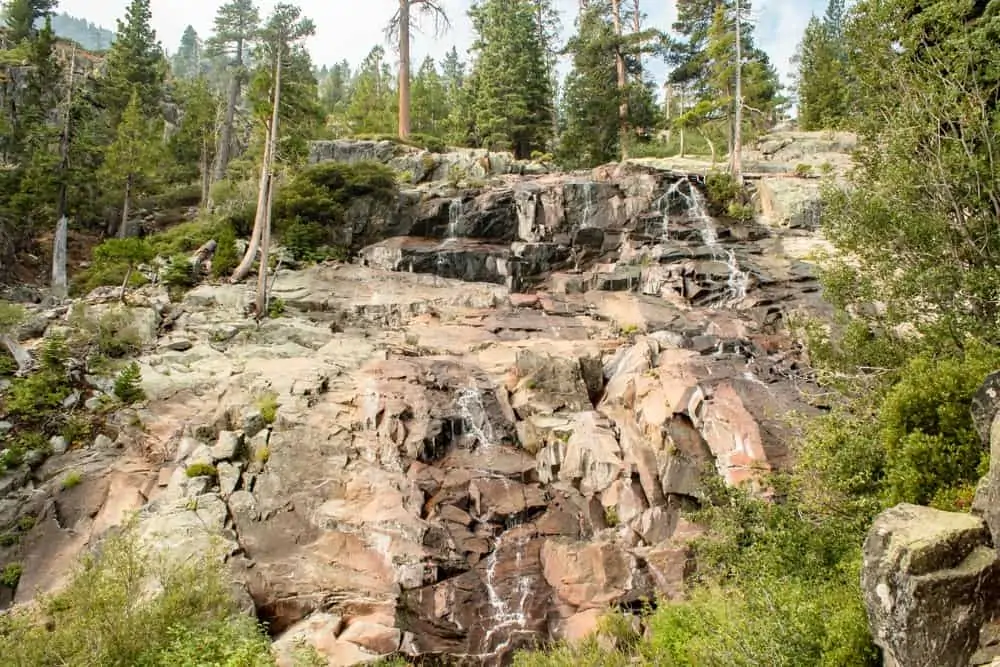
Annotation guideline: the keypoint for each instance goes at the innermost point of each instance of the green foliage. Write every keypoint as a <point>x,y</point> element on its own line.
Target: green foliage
<point>309,211</point>
<point>513,96</point>
<point>135,66</point>
<point>225,258</point>
<point>722,191</point>
<point>101,617</point>
<point>268,405</point>
<point>11,574</point>
<point>128,385</point>
<point>823,84</point>
<point>275,308</point>
<point>180,272</point>
<point>112,334</point>
<point>71,480</point>
<point>201,470</point>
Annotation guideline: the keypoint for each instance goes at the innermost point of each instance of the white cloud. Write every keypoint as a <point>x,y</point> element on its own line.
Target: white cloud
<point>348,29</point>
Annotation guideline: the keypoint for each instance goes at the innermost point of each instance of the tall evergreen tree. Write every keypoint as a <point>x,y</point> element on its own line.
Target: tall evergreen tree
<point>704,68</point>
<point>21,17</point>
<point>822,83</point>
<point>372,96</point>
<point>236,24</point>
<point>133,157</point>
<point>195,143</point>
<point>456,127</point>
<point>187,63</point>
<point>135,65</point>
<point>513,106</point>
<point>429,103</point>
<point>592,99</point>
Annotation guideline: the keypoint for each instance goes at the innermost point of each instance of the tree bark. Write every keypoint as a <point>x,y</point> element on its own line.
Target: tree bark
<point>736,157</point>
<point>123,227</point>
<point>404,68</point>
<point>616,18</point>
<point>226,138</point>
<point>263,195</point>
<point>59,284</point>
<point>265,249</point>
<point>21,356</point>
<point>206,175</point>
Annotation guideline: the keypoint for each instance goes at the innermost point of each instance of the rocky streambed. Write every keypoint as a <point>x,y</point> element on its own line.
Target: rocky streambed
<point>486,434</point>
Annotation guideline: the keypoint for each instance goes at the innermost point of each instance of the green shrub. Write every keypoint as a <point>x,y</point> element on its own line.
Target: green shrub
<point>113,260</point>
<point>267,403</point>
<point>275,307</point>
<point>201,470</point>
<point>180,273</point>
<point>225,259</point>
<point>803,170</point>
<point>11,574</point>
<point>741,212</point>
<point>102,618</point>
<point>128,385</point>
<point>721,190</point>
<point>71,480</point>
<point>314,202</point>
<point>113,333</point>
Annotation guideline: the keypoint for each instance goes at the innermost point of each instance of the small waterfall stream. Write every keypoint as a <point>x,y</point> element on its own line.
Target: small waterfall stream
<point>697,210</point>
<point>507,609</point>
<point>588,203</point>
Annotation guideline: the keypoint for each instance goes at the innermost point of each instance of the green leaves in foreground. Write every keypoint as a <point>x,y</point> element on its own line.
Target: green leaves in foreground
<point>126,607</point>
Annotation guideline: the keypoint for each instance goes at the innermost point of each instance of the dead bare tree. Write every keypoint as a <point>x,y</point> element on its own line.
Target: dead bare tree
<point>398,31</point>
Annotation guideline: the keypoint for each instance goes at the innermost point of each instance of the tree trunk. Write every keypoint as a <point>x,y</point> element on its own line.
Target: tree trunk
<point>682,142</point>
<point>128,275</point>
<point>736,157</point>
<point>616,18</point>
<point>123,227</point>
<point>226,139</point>
<point>59,284</point>
<point>265,249</point>
<point>404,68</point>
<point>637,28</point>
<point>206,175</point>
<point>263,196</point>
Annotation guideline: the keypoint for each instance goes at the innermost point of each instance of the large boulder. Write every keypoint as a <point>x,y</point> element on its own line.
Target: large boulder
<point>930,580</point>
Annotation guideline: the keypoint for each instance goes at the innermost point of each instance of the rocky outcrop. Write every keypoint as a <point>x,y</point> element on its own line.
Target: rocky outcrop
<point>931,579</point>
<point>479,437</point>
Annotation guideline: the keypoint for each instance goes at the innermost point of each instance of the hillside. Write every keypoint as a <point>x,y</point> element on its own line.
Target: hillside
<point>308,366</point>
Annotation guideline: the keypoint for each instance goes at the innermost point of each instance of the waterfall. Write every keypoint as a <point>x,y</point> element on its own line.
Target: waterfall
<point>697,210</point>
<point>475,421</point>
<point>506,615</point>
<point>588,203</point>
<point>454,219</point>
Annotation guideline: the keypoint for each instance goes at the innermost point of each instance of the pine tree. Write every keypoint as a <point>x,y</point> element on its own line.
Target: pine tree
<point>592,100</point>
<point>456,126</point>
<point>195,141</point>
<point>132,158</point>
<point>513,105</point>
<point>21,17</point>
<point>372,96</point>
<point>704,68</point>
<point>278,45</point>
<point>822,81</point>
<point>401,26</point>
<point>236,24</point>
<point>429,104</point>
<point>135,65</point>
<point>187,63</point>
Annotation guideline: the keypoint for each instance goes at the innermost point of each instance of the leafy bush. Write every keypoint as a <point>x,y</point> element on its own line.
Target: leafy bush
<point>113,333</point>
<point>201,470</point>
<point>268,405</point>
<point>225,259</point>
<point>180,272</point>
<point>71,480</point>
<point>721,190</point>
<point>102,616</point>
<point>309,211</point>
<point>113,261</point>
<point>424,141</point>
<point>11,574</point>
<point>128,385</point>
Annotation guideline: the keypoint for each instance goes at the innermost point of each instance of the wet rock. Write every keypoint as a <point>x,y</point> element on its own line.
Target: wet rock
<point>929,580</point>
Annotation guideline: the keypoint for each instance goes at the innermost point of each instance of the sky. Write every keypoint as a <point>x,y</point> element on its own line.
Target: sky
<point>348,29</point>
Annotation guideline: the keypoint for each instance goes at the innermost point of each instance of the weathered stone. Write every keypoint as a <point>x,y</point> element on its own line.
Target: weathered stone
<point>228,446</point>
<point>929,581</point>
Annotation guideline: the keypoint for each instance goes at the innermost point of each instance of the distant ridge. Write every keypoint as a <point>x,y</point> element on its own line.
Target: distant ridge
<point>88,35</point>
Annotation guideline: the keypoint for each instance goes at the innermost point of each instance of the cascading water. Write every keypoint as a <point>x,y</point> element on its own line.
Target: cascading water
<point>510,615</point>
<point>697,210</point>
<point>588,203</point>
<point>475,421</point>
<point>454,219</point>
